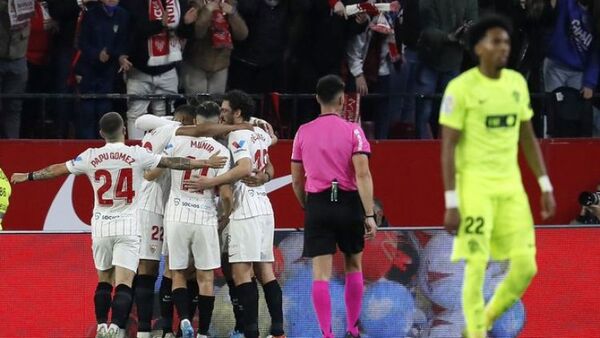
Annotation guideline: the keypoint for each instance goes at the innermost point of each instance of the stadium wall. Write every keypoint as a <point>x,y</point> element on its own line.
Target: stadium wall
<point>412,290</point>
<point>406,175</point>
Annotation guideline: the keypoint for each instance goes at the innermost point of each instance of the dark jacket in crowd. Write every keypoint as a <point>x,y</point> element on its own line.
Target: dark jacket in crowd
<point>100,30</point>
<point>141,28</point>
<point>408,28</point>
<point>267,32</point>
<point>318,40</point>
<point>438,19</point>
<point>65,13</point>
<point>13,43</point>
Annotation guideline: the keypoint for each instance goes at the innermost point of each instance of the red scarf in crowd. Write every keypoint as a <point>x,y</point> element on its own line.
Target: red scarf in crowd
<point>221,31</point>
<point>164,48</point>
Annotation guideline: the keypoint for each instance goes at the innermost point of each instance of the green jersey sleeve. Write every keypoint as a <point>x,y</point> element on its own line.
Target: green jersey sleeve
<point>452,110</point>
<point>526,111</point>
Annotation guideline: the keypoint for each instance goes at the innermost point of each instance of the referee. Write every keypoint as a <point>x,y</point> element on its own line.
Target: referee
<point>332,181</point>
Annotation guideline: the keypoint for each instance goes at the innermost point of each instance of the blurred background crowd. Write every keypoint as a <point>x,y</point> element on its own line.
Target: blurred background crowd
<point>396,61</point>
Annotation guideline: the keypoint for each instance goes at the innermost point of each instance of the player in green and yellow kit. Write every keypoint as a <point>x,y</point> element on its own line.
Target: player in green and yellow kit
<point>485,116</point>
<point>4,195</point>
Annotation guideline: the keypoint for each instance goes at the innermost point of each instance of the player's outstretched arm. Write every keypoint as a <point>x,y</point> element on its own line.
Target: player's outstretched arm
<point>450,138</point>
<point>208,129</point>
<point>242,169</point>
<point>226,205</point>
<point>149,122</point>
<point>151,175</point>
<point>535,160</point>
<point>47,173</point>
<point>298,181</point>
<point>364,183</point>
<point>181,163</point>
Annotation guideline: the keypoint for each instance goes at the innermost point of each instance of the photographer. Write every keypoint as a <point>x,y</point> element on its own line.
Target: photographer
<point>590,208</point>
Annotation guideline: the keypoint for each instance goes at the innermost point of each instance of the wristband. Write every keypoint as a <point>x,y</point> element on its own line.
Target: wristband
<point>451,199</point>
<point>30,177</point>
<point>545,185</point>
<point>370,216</point>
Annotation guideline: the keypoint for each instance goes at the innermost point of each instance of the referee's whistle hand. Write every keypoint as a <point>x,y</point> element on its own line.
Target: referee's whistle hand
<point>452,221</point>
<point>370,228</point>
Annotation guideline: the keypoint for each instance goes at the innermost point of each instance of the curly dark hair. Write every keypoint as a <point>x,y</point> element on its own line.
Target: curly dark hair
<point>240,100</point>
<point>478,31</point>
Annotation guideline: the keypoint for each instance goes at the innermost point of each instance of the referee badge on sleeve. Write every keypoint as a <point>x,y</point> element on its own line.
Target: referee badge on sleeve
<point>448,104</point>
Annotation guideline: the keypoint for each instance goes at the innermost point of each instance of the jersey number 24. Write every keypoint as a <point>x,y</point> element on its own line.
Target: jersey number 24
<point>123,189</point>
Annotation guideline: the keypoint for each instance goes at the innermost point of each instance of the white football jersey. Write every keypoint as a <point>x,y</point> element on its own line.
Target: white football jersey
<point>250,202</point>
<point>155,193</point>
<point>184,206</point>
<point>116,172</point>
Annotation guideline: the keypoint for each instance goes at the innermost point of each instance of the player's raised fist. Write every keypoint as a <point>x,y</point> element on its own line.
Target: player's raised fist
<point>452,221</point>
<point>18,178</point>
<point>216,161</point>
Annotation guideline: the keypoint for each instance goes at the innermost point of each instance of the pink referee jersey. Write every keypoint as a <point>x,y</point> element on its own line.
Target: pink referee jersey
<point>325,147</point>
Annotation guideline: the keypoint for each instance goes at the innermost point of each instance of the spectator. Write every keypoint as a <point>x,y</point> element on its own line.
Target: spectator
<point>318,39</point>
<point>440,50</point>
<point>572,56</point>
<point>370,58</point>
<point>257,62</point>
<point>154,50</point>
<point>38,59</point>
<point>407,33</point>
<point>65,13</point>
<point>380,218</point>
<point>102,41</point>
<point>14,35</point>
<point>207,54</point>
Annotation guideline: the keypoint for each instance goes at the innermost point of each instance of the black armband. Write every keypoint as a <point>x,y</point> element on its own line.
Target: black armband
<point>30,176</point>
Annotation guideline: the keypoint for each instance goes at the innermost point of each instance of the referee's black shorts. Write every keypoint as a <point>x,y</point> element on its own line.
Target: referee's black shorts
<point>328,224</point>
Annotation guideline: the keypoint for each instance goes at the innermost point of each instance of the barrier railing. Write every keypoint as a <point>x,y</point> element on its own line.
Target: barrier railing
<point>291,111</point>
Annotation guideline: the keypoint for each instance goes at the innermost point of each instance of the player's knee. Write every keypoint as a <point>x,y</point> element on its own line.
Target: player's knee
<point>205,277</point>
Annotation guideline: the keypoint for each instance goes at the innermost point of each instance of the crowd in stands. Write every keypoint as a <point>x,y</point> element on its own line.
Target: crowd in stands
<point>146,47</point>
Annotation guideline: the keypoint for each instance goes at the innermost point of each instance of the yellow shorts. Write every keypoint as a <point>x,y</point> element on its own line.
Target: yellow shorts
<point>496,221</point>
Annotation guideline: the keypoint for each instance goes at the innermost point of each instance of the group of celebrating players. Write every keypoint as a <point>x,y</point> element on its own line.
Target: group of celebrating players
<point>210,210</point>
<point>485,117</point>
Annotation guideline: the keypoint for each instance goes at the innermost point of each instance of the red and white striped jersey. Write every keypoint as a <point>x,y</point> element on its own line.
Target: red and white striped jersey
<point>184,206</point>
<point>155,193</point>
<point>250,202</point>
<point>116,172</point>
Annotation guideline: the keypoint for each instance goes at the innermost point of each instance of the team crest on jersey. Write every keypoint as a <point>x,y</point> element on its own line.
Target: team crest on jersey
<point>448,105</point>
<point>516,96</point>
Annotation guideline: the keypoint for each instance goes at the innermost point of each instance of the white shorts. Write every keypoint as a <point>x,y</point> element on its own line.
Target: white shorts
<point>151,227</point>
<point>250,239</point>
<point>193,243</point>
<point>123,251</point>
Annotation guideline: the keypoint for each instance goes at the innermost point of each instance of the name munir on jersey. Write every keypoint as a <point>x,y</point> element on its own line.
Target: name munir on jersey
<point>186,206</point>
